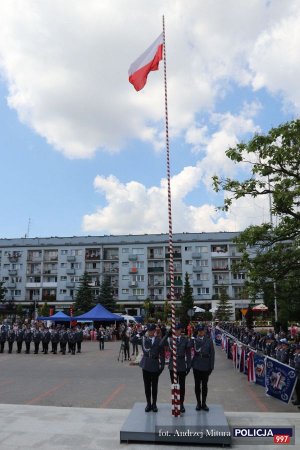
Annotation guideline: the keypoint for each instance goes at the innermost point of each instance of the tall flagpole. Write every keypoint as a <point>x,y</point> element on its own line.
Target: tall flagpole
<point>175,387</point>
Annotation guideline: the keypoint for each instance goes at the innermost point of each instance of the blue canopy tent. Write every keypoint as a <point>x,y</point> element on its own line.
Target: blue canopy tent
<point>57,317</point>
<point>99,314</point>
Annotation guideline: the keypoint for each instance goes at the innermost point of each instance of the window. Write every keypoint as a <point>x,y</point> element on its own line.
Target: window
<point>139,264</point>
<point>188,249</point>
<point>17,292</point>
<point>75,279</point>
<point>219,248</point>
<point>125,277</point>
<point>203,290</point>
<point>220,264</point>
<point>202,249</point>
<point>76,252</point>
<point>125,264</point>
<point>6,266</point>
<point>138,291</point>
<point>63,265</point>
<point>75,265</point>
<point>64,252</point>
<point>138,251</point>
<point>63,291</point>
<point>125,291</point>
<point>138,278</point>
<point>201,262</point>
<point>239,276</point>
<point>64,278</point>
<point>188,262</point>
<point>125,250</point>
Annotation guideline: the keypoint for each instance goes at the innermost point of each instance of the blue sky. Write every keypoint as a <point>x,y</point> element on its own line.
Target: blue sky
<point>83,153</point>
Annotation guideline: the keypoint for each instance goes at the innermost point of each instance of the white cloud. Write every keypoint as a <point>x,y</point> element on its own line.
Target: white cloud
<point>66,64</point>
<point>133,208</point>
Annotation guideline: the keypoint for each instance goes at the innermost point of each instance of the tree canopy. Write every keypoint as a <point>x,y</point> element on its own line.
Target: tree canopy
<point>271,253</point>
<point>106,297</point>
<point>187,301</point>
<point>84,299</point>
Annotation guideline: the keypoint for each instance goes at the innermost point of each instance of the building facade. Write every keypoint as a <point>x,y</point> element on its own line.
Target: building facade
<point>38,270</point>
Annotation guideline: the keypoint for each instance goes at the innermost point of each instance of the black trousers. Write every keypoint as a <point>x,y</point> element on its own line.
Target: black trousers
<point>151,384</point>
<point>126,351</point>
<point>297,389</point>
<point>45,347</point>
<point>19,346</point>
<point>36,347</point>
<point>27,344</point>
<point>54,347</point>
<point>79,346</point>
<point>101,344</point>
<point>63,346</point>
<point>181,379</point>
<point>72,347</point>
<point>10,346</point>
<point>135,349</point>
<point>201,380</point>
<point>2,346</point>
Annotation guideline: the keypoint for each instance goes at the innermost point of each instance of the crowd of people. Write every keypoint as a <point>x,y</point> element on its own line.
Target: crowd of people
<point>285,347</point>
<point>37,337</point>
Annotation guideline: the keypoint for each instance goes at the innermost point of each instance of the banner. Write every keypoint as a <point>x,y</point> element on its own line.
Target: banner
<point>260,369</point>
<point>280,380</point>
<point>218,337</point>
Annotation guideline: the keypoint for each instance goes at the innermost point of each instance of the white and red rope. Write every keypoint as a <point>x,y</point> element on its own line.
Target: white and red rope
<point>175,387</point>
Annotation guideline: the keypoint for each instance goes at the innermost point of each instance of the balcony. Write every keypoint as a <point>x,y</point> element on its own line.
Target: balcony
<point>176,282</point>
<point>50,272</point>
<point>68,298</point>
<point>176,255</point>
<point>109,269</point>
<point>156,297</point>
<point>197,283</point>
<point>70,284</point>
<point>133,284</point>
<point>196,255</point>
<point>33,285</point>
<point>14,256</point>
<point>11,285</point>
<point>12,272</point>
<point>49,284</point>
<point>135,297</point>
<point>132,257</point>
<point>133,270</point>
<point>71,258</point>
<point>221,269</point>
<point>197,269</point>
<point>155,269</point>
<point>70,271</point>
<point>35,259</point>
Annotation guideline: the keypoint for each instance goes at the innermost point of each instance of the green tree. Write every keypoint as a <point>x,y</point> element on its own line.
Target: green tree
<point>19,311</point>
<point>3,291</point>
<point>149,308</point>
<point>45,310</point>
<point>224,311</point>
<point>271,254</point>
<point>84,299</point>
<point>187,301</point>
<point>106,297</point>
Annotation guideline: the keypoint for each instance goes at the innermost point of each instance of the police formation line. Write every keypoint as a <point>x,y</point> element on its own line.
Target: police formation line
<point>201,360</point>
<point>41,335</point>
<point>281,346</point>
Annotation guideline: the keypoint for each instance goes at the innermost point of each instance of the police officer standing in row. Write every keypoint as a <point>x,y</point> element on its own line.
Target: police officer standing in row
<point>37,337</point>
<point>19,338</point>
<point>203,365</point>
<point>152,363</point>
<point>10,339</point>
<point>3,336</point>
<point>27,338</point>
<point>183,360</point>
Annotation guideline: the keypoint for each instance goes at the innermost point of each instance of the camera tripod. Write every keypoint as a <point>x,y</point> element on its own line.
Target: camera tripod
<point>121,352</point>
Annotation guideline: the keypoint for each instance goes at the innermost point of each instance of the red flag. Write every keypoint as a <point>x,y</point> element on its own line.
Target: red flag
<point>148,61</point>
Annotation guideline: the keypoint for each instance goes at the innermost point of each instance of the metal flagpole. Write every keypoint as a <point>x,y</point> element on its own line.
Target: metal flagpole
<point>175,387</point>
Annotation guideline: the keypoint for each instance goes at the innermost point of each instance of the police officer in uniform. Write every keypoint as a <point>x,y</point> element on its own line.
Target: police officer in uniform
<point>11,335</point>
<point>27,339</point>
<point>183,360</point>
<point>54,340</point>
<point>19,338</point>
<point>3,336</point>
<point>282,352</point>
<point>202,364</point>
<point>46,336</point>
<point>79,338</point>
<point>152,363</point>
<point>72,341</point>
<point>36,337</point>
<point>63,339</point>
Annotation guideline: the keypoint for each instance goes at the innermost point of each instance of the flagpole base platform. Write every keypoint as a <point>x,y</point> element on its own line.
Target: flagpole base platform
<point>192,427</point>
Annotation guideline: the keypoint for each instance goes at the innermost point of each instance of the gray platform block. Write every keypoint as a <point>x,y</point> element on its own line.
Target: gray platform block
<point>192,427</point>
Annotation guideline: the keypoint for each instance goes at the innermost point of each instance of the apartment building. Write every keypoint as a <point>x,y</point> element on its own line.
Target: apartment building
<point>138,267</point>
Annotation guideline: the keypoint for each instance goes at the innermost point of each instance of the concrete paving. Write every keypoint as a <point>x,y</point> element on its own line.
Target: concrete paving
<point>25,427</point>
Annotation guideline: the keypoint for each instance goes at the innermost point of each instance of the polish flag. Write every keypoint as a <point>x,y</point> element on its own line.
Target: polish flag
<point>148,61</point>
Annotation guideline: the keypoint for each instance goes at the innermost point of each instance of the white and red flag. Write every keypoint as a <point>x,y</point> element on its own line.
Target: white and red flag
<point>148,61</point>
